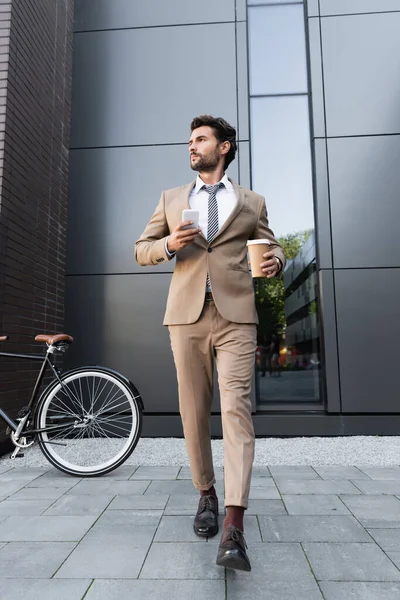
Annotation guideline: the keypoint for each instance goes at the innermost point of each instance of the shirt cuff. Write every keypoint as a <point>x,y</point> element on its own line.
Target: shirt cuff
<point>167,252</point>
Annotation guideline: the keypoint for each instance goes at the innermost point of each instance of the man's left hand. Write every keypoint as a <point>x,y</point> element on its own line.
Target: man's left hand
<point>271,266</point>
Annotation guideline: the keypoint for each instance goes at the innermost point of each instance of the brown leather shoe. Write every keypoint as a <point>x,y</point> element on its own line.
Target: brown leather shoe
<point>206,520</point>
<point>232,550</point>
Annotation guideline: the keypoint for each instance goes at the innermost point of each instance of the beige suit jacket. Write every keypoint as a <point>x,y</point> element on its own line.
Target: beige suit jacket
<point>225,258</point>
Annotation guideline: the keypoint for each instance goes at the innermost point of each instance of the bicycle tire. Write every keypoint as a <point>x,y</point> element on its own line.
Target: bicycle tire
<point>77,409</point>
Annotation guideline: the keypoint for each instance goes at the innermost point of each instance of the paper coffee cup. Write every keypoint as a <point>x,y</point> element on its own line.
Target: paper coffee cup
<point>257,249</point>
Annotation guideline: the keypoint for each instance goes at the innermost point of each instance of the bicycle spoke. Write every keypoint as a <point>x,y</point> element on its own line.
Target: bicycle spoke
<point>103,422</point>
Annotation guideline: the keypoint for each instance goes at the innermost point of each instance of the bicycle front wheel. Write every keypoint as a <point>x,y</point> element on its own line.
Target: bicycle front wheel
<point>92,422</point>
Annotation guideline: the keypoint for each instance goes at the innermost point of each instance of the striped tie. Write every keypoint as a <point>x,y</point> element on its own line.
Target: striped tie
<point>213,225</point>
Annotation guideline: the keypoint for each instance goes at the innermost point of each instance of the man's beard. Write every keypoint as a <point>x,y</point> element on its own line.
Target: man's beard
<point>205,164</point>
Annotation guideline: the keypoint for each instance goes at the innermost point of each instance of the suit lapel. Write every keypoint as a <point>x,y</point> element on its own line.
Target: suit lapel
<point>184,203</point>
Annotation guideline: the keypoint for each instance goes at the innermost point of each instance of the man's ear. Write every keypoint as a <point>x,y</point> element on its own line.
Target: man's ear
<point>225,147</point>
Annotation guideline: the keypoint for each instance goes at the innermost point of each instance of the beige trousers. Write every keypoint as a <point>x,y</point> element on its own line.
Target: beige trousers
<point>233,345</point>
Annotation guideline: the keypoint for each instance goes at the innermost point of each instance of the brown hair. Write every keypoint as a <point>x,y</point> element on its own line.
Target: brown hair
<point>223,132</point>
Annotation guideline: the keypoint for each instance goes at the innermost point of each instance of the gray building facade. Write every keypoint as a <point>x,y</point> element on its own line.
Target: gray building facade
<point>312,89</point>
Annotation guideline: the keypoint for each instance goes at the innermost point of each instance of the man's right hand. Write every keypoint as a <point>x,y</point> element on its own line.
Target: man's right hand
<point>180,237</point>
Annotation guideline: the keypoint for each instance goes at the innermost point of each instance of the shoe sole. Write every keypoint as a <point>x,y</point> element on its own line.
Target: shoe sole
<point>234,562</point>
<point>211,532</point>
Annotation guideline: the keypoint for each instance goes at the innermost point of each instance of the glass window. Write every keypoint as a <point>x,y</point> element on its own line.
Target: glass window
<point>277,50</point>
<point>281,160</point>
<point>288,353</point>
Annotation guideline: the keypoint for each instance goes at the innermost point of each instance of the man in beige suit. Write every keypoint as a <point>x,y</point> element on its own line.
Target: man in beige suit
<point>211,315</point>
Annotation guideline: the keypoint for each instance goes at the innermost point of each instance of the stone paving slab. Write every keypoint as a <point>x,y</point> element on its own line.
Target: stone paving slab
<point>107,487</point>
<point>390,487</point>
<point>341,473</point>
<point>264,493</point>
<point>360,590</point>
<point>329,533</point>
<point>395,557</point>
<point>279,572</point>
<point>177,529</point>
<point>312,529</point>
<point>178,487</point>
<point>25,473</point>
<point>381,472</point>
<point>266,507</point>
<point>41,493</point>
<point>298,472</point>
<point>129,519</point>
<point>156,473</point>
<point>65,483</point>
<point>350,562</point>
<point>19,508</point>
<point>45,589</point>
<point>109,553</point>
<point>44,529</point>
<point>147,502</point>
<point>374,511</point>
<point>321,486</point>
<point>183,560</point>
<point>8,488</point>
<point>314,505</point>
<point>187,506</point>
<point>159,589</point>
<point>387,539</point>
<point>78,506</point>
<point>32,559</point>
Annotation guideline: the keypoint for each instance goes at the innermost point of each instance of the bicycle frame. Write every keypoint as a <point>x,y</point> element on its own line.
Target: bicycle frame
<point>46,361</point>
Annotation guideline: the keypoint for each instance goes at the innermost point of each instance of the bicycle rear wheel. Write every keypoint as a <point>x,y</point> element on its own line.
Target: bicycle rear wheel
<point>93,420</point>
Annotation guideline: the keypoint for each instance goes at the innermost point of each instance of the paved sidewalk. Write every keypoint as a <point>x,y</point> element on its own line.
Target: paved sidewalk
<point>313,533</point>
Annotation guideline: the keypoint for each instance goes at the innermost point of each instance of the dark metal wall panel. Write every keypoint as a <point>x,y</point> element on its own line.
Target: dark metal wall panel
<point>242,81</point>
<point>244,164</point>
<point>121,14</point>
<point>142,86</point>
<point>345,7</point>
<point>322,205</point>
<point>113,193</point>
<point>116,321</point>
<point>241,10</point>
<point>317,91</point>
<point>364,179</point>
<point>329,350</point>
<point>368,318</point>
<point>361,62</point>
<point>312,7</point>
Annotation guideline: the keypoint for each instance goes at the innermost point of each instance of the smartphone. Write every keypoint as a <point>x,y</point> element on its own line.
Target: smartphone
<point>190,215</point>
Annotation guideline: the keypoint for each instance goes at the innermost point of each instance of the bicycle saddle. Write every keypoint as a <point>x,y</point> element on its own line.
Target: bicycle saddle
<point>53,339</point>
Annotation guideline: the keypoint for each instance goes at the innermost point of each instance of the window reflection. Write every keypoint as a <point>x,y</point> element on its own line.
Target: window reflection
<point>277,50</point>
<point>288,352</point>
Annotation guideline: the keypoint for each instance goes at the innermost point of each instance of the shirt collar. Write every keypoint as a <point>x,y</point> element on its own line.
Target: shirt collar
<point>224,180</point>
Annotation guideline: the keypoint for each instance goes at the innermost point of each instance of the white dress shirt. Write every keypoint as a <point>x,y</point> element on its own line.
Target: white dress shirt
<point>226,200</point>
<point>198,200</point>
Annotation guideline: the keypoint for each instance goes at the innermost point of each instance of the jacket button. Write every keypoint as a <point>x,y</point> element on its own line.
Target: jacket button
<point>209,249</point>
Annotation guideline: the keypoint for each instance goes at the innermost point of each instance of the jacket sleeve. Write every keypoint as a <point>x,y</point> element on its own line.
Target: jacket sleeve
<point>150,248</point>
<point>263,231</point>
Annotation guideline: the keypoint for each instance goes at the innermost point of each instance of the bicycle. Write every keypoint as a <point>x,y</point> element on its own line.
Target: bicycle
<point>87,420</point>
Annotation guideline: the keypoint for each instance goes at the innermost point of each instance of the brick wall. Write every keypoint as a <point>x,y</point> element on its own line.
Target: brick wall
<point>35,86</point>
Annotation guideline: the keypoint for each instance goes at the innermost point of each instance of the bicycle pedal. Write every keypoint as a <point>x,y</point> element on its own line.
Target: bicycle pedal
<point>17,456</point>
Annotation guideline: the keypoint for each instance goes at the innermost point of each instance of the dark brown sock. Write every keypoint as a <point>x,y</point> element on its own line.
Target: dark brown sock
<point>210,492</point>
<point>234,516</point>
